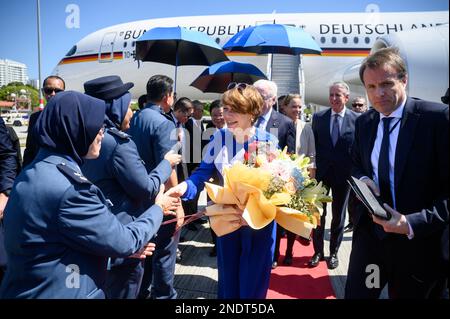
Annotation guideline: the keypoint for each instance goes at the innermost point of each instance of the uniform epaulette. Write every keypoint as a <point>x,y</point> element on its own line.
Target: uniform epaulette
<point>73,174</point>
<point>120,134</point>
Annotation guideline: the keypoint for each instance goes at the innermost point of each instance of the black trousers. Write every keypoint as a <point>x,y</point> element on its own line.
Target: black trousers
<point>375,262</point>
<point>290,243</point>
<point>338,208</point>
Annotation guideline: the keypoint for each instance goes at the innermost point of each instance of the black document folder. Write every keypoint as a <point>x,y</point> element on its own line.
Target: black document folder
<point>372,202</point>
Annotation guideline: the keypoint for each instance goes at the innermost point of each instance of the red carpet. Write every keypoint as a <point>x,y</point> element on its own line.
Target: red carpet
<point>298,281</point>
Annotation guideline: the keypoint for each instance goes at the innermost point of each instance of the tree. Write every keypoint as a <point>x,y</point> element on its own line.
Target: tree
<point>15,87</point>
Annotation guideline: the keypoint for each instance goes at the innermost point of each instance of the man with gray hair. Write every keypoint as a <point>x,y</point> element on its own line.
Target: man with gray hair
<point>271,120</point>
<point>333,133</point>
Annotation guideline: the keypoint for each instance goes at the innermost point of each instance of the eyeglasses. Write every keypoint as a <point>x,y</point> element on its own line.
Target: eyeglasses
<point>357,104</point>
<point>235,85</point>
<point>49,90</point>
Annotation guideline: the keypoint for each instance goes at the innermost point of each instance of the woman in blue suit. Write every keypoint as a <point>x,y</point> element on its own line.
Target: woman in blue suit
<point>59,230</point>
<point>244,257</point>
<point>121,175</point>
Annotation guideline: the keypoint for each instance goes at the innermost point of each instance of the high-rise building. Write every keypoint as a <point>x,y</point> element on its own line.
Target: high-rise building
<point>12,71</point>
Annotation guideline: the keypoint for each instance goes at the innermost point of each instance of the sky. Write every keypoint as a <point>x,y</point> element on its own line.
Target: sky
<point>18,19</point>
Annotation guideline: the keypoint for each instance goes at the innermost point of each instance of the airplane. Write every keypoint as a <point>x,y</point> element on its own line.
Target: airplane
<point>345,38</point>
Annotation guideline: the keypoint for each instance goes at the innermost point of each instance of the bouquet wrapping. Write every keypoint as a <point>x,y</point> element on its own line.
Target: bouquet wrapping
<point>268,185</point>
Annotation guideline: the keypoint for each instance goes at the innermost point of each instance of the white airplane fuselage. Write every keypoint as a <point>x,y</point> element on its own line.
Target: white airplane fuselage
<point>345,38</point>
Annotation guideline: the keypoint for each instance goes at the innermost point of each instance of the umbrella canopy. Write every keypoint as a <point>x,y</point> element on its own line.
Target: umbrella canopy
<point>216,78</point>
<point>178,46</point>
<point>273,38</point>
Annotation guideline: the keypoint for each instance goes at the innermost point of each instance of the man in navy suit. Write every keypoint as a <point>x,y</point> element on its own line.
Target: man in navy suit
<point>401,152</point>
<point>333,133</point>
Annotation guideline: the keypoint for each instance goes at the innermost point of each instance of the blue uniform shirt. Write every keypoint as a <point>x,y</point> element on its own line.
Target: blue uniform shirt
<point>153,134</point>
<point>121,175</point>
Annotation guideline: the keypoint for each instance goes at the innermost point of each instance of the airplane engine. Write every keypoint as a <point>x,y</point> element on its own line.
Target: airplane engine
<point>425,52</point>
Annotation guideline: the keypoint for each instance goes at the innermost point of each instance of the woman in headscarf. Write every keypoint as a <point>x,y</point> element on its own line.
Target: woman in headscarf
<point>121,175</point>
<point>59,230</point>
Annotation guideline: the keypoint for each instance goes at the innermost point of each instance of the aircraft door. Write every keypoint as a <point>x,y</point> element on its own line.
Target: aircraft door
<point>106,51</point>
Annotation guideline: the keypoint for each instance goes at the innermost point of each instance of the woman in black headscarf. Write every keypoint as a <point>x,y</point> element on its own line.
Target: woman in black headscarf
<point>59,230</point>
<point>121,175</point>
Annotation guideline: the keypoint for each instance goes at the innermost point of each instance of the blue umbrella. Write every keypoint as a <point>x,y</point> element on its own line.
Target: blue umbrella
<point>273,38</point>
<point>178,46</point>
<point>217,77</point>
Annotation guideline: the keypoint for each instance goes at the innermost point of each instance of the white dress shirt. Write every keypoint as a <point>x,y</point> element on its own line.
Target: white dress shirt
<point>340,120</point>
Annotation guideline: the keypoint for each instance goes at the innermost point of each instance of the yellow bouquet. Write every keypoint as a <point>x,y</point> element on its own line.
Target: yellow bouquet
<point>269,185</point>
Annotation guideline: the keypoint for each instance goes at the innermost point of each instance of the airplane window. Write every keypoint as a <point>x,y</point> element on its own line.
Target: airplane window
<point>355,40</point>
<point>125,44</point>
<point>333,39</point>
<point>322,39</point>
<point>344,40</point>
<point>218,40</point>
<point>367,39</point>
<point>133,43</point>
<point>72,51</point>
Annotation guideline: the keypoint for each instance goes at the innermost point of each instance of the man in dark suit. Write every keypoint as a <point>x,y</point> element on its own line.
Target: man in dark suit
<point>51,85</point>
<point>8,170</point>
<point>284,130</point>
<point>401,152</point>
<point>333,133</point>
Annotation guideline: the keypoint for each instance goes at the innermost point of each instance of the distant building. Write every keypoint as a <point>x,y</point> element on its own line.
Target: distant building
<point>34,83</point>
<point>12,71</point>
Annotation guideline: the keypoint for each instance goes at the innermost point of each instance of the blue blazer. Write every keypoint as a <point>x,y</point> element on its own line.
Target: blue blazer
<point>336,158</point>
<point>59,232</point>
<point>121,175</point>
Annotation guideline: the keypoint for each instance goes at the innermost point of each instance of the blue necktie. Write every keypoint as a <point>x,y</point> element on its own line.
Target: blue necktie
<point>383,164</point>
<point>259,121</point>
<point>335,130</point>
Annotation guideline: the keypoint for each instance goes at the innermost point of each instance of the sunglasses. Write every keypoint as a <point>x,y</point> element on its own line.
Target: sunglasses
<point>49,90</point>
<point>357,104</point>
<point>235,85</point>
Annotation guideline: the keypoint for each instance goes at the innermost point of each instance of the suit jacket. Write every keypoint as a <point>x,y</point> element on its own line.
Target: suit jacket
<point>421,162</point>
<point>59,232</point>
<point>31,146</point>
<point>421,181</point>
<point>283,129</point>
<point>333,162</point>
<point>196,143</point>
<point>8,159</point>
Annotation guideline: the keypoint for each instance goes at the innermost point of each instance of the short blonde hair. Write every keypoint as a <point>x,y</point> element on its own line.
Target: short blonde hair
<point>244,101</point>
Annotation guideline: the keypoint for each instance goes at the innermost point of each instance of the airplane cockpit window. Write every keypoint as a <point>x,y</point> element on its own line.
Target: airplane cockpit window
<point>322,39</point>
<point>367,40</point>
<point>333,39</point>
<point>72,51</point>
<point>344,40</point>
<point>125,44</point>
<point>355,40</point>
